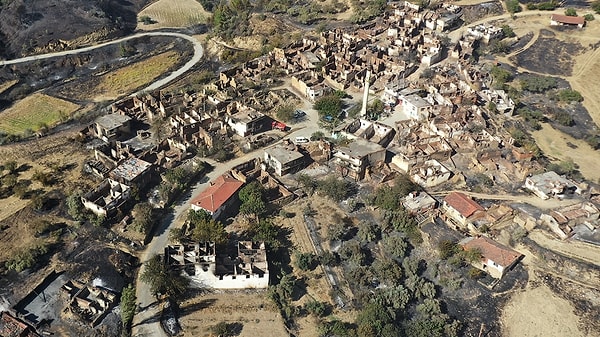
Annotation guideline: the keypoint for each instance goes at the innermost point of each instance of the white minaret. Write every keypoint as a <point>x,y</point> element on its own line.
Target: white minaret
<point>363,111</point>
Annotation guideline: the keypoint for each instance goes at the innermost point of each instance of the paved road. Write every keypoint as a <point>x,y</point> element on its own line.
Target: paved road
<point>198,53</point>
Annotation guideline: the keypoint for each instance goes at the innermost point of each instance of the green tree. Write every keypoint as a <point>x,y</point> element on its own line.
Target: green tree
<point>308,183</point>
<point>127,305</point>
<point>334,188</point>
<point>337,231</point>
<point>395,247</point>
<point>75,206</point>
<point>596,6</point>
<point>589,17</point>
<point>208,230</point>
<point>306,261</point>
<point>143,217</point>
<point>316,308</point>
<point>265,230</point>
<point>252,198</point>
<point>375,320</point>
<point>161,280</point>
<point>285,113</point>
<point>387,271</point>
<point>447,249</point>
<point>507,31</point>
<point>368,231</point>
<point>328,105</point>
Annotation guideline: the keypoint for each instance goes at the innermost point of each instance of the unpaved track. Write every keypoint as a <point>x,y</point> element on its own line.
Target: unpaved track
<point>198,53</point>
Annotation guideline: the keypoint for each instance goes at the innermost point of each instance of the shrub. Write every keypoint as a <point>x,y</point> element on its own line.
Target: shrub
<point>306,261</point>
<point>448,249</point>
<point>513,6</point>
<point>547,6</point>
<point>538,84</point>
<point>285,113</point>
<point>26,258</point>
<point>568,95</point>
<point>589,17</point>
<point>507,31</point>
<point>564,118</point>
<point>316,308</point>
<point>596,6</point>
<point>570,12</point>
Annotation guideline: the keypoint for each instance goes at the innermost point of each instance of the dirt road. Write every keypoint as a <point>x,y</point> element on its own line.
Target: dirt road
<point>198,53</point>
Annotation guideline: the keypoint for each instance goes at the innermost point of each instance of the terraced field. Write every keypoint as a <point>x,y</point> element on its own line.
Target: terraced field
<point>173,13</point>
<point>34,112</point>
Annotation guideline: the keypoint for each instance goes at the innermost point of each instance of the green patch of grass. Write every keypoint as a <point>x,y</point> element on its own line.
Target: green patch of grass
<point>35,112</point>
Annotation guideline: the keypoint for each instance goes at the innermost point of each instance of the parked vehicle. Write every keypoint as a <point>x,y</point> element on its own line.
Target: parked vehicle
<point>299,113</point>
<point>279,126</point>
<point>302,140</point>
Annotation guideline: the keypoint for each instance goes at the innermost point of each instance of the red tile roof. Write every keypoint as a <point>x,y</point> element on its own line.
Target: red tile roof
<point>570,20</point>
<point>463,204</point>
<point>221,190</point>
<point>492,250</point>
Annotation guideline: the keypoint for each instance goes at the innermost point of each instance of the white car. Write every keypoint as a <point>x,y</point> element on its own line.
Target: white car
<point>302,140</point>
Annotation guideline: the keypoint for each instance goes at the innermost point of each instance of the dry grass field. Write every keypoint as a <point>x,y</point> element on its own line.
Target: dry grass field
<point>127,79</point>
<point>554,145</point>
<point>33,111</point>
<point>173,14</point>
<point>256,314</point>
<point>6,85</point>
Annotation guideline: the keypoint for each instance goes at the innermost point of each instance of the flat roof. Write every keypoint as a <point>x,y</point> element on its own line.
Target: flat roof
<point>283,155</point>
<point>360,147</point>
<point>112,121</point>
<point>130,169</point>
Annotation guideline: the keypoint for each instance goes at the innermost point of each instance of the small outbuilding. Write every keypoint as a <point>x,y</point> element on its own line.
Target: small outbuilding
<point>564,20</point>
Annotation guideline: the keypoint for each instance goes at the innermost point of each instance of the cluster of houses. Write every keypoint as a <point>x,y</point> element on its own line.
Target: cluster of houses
<point>390,47</point>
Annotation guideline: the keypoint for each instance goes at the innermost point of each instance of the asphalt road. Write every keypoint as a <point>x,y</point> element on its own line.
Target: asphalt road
<point>198,53</point>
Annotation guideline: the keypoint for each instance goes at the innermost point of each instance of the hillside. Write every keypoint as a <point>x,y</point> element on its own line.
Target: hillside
<point>28,26</point>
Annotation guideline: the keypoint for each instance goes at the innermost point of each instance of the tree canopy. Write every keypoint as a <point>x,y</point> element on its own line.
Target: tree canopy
<point>252,198</point>
<point>161,280</point>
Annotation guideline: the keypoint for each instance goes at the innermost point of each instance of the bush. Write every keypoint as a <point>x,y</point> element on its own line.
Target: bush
<point>448,249</point>
<point>570,12</point>
<point>26,258</point>
<point>334,188</point>
<point>513,6</point>
<point>547,6</point>
<point>143,219</point>
<point>316,308</point>
<point>589,17</point>
<point>538,84</point>
<point>306,261</point>
<point>596,6</point>
<point>568,95</point>
<point>507,31</point>
<point>285,113</point>
<point>564,118</point>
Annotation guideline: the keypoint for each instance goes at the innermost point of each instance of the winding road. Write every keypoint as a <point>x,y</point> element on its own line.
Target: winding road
<point>198,53</point>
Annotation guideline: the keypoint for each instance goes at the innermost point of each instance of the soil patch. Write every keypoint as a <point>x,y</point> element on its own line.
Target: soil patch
<point>252,311</point>
<point>555,144</point>
<point>549,55</point>
<point>537,311</point>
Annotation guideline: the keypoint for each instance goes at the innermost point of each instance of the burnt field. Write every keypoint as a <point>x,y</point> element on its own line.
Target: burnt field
<point>28,27</point>
<point>61,73</point>
<point>549,55</point>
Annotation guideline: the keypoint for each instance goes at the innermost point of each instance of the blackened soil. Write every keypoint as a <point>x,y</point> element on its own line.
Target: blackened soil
<point>26,25</point>
<point>549,56</point>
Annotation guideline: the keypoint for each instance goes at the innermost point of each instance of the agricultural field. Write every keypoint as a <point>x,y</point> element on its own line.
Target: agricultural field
<point>127,79</point>
<point>34,112</point>
<point>172,14</point>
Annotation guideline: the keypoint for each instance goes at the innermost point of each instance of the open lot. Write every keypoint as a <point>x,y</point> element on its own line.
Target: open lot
<point>125,80</point>
<point>173,13</point>
<point>555,144</point>
<point>252,311</point>
<point>34,111</point>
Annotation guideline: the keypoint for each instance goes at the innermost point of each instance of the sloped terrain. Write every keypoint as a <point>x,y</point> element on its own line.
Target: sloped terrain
<point>30,26</point>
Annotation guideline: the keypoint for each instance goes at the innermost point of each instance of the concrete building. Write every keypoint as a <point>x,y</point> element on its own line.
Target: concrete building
<point>247,121</point>
<point>283,160</point>
<point>132,171</point>
<point>416,107</point>
<point>105,199</point>
<point>353,159</point>
<point>112,127</point>
<point>419,203</point>
<point>564,20</point>
<point>221,194</point>
<point>496,259</point>
<point>550,184</point>
<point>430,173</point>
<point>207,269</point>
<point>459,208</point>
